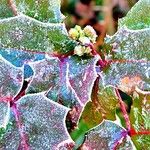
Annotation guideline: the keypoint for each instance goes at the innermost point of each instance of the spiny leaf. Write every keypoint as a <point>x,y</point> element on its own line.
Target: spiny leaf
<point>20,57</point>
<point>82,74</point>
<point>45,10</point>
<point>102,106</point>
<point>38,122</point>
<point>25,33</point>
<point>108,136</point>
<point>127,75</point>
<point>46,75</point>
<point>11,79</point>
<point>138,17</point>
<point>58,79</point>
<point>131,48</point>
<point>130,44</point>
<point>52,74</point>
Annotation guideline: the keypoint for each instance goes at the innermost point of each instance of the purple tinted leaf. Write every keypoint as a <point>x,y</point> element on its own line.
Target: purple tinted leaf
<point>82,74</point>
<point>50,77</point>
<point>40,122</point>
<point>4,114</point>
<point>107,136</point>
<point>11,79</point>
<point>61,78</point>
<point>46,75</point>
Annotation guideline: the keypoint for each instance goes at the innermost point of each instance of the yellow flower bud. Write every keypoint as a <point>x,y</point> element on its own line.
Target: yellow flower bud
<point>79,50</point>
<point>84,40</point>
<point>87,50</point>
<point>73,33</point>
<point>90,32</point>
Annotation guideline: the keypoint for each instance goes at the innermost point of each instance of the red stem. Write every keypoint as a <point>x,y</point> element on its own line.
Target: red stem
<point>123,108</point>
<point>23,144</point>
<point>13,7</point>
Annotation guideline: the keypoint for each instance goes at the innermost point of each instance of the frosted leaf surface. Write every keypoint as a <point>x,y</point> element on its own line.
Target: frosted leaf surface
<point>46,75</point>
<point>41,124</point>
<point>25,33</point>
<point>4,115</point>
<point>72,75</point>
<point>131,44</point>
<point>45,10</point>
<point>11,138</point>
<point>138,17</point>
<point>102,106</point>
<point>11,79</point>
<point>19,57</point>
<point>82,75</point>
<point>105,136</point>
<point>140,119</point>
<point>131,49</point>
<point>128,75</point>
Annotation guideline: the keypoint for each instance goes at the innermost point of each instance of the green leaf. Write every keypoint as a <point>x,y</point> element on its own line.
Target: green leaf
<point>102,106</point>
<point>130,51</point>
<point>138,17</point>
<point>127,75</point>
<point>45,10</point>
<point>140,120</point>
<point>5,10</point>
<point>130,44</point>
<point>23,32</point>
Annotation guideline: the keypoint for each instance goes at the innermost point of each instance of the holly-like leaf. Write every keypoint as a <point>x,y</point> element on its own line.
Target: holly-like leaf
<point>138,17</point>
<point>11,79</point>
<point>37,122</point>
<point>58,79</point>
<point>45,11</point>
<point>25,33</point>
<point>82,74</point>
<point>102,106</point>
<point>59,76</point>
<point>20,57</point>
<point>4,115</point>
<point>46,75</point>
<point>131,51</point>
<point>140,120</point>
<point>131,44</point>
<point>108,136</point>
<point>127,75</point>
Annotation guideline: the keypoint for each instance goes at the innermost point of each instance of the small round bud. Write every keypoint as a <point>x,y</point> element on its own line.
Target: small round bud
<point>90,32</point>
<point>73,33</point>
<point>78,28</point>
<point>84,40</point>
<point>79,50</point>
<point>87,50</point>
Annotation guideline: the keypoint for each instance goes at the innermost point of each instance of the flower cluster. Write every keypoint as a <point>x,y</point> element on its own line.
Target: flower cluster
<point>85,37</point>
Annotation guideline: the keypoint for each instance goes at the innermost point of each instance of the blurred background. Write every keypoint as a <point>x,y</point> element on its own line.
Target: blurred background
<point>103,15</point>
